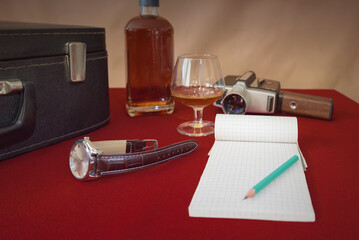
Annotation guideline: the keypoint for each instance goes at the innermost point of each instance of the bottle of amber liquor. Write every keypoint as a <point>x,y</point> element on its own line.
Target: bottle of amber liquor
<point>149,45</point>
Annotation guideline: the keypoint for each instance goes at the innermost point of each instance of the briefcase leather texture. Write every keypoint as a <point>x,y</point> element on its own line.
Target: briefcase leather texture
<point>53,84</point>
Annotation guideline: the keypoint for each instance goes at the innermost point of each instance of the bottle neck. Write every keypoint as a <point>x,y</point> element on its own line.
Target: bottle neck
<point>149,11</point>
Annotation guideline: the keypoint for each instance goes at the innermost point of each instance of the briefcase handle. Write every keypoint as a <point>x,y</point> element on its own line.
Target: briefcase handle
<point>25,123</point>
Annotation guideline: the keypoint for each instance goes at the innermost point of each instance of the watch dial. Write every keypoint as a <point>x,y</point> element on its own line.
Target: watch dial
<point>79,161</point>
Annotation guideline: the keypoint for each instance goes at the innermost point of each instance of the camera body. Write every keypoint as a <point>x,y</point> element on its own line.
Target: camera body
<point>248,94</point>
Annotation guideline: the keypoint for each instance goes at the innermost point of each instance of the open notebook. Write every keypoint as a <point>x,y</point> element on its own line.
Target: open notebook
<point>246,149</point>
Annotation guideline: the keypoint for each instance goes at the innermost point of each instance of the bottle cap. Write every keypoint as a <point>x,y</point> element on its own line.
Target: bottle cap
<point>149,3</point>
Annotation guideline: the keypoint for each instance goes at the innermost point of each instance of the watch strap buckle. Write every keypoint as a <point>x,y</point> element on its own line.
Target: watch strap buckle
<point>151,144</point>
<point>141,145</point>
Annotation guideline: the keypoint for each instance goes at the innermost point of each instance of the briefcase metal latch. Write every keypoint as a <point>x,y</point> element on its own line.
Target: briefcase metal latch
<point>9,86</point>
<point>77,61</point>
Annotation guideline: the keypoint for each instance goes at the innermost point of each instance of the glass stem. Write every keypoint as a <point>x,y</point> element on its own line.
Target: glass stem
<point>198,114</point>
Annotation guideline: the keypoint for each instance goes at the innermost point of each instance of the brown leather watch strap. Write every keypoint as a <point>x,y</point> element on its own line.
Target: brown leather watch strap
<point>120,163</point>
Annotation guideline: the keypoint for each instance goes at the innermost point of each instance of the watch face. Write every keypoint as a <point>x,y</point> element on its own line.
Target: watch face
<point>79,160</point>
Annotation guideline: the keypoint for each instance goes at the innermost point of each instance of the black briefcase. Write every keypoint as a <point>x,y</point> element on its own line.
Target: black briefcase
<point>53,84</point>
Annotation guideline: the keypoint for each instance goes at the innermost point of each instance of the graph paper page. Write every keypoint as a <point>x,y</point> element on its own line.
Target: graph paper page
<point>251,128</point>
<point>234,167</point>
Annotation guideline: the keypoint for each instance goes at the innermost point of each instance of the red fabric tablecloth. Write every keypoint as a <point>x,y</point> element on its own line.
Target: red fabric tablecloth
<point>39,198</point>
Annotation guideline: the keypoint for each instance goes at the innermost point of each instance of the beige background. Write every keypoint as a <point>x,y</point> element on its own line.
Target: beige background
<point>301,43</point>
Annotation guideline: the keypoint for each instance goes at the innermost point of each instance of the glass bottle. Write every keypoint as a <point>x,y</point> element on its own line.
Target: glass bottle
<point>149,45</point>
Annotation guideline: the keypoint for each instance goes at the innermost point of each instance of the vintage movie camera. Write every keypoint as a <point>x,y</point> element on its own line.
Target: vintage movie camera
<point>249,94</point>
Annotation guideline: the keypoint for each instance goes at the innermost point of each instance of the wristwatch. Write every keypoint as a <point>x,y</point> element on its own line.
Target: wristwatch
<point>90,160</point>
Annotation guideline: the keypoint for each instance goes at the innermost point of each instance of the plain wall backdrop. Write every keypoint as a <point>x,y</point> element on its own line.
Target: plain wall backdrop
<point>301,43</point>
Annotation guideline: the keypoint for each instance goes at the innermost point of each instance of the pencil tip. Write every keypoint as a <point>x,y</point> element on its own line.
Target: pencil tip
<point>245,198</point>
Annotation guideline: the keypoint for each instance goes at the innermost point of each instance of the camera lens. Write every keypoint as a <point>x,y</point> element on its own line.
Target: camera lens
<point>234,104</point>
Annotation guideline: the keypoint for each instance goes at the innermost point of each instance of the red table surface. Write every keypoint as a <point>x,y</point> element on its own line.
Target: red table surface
<point>40,199</point>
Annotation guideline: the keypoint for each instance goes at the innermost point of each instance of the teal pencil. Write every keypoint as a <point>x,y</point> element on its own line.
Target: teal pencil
<point>267,180</point>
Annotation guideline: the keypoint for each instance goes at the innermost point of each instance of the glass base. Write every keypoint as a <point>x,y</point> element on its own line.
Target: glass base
<point>146,110</point>
<point>195,129</point>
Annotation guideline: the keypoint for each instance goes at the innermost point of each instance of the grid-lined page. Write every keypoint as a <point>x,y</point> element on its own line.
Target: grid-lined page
<point>234,167</point>
<point>251,128</point>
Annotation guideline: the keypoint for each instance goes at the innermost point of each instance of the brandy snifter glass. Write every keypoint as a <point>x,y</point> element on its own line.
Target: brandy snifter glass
<point>197,82</point>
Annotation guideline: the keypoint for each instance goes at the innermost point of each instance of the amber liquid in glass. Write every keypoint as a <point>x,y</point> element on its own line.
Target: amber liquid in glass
<point>197,97</point>
<point>149,43</point>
